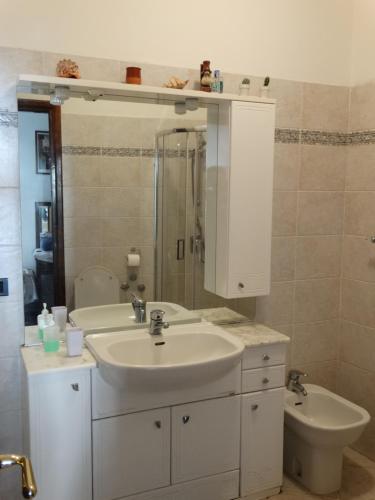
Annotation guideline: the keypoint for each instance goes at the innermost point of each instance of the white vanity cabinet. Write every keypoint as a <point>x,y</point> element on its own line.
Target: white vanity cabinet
<point>241,247</point>
<point>59,436</point>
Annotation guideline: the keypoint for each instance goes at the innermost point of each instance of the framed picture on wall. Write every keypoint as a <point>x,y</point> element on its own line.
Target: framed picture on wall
<point>42,152</point>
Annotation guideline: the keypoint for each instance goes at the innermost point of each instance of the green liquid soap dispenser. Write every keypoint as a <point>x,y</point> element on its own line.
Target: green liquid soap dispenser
<point>51,337</point>
<point>43,320</point>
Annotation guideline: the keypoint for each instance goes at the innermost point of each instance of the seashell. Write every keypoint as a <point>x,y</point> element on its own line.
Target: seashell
<point>176,83</point>
<point>66,68</point>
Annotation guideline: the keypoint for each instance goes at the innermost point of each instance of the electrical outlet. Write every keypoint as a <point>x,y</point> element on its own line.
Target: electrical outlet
<point>4,287</point>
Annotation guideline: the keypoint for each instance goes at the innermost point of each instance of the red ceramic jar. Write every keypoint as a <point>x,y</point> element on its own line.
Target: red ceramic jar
<point>133,75</point>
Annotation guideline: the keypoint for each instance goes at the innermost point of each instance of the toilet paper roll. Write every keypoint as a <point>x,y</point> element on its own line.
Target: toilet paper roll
<point>134,260</point>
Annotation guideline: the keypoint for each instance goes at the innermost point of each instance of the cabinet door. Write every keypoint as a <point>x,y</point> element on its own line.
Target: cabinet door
<point>205,438</point>
<point>131,453</point>
<point>262,422</point>
<point>60,434</point>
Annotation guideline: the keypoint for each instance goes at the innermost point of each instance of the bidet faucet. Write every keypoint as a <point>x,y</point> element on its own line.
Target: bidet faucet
<point>156,322</point>
<point>294,384</point>
<point>139,307</point>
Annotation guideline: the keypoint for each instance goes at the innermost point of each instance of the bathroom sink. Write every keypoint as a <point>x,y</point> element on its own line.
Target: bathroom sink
<point>118,317</point>
<point>183,356</point>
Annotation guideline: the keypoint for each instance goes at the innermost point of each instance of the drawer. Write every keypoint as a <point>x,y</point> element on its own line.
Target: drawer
<point>264,355</point>
<point>263,378</point>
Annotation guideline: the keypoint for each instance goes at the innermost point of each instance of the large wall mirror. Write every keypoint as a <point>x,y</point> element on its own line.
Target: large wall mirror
<point>128,178</point>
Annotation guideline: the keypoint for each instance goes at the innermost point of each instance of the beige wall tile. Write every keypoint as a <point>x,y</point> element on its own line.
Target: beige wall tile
<point>83,231</point>
<point>360,174</point>
<point>357,345</point>
<point>325,107</point>
<point>358,261</point>
<point>357,385</point>
<point>362,107</point>
<point>320,213</point>
<point>284,213</point>
<point>12,328</point>
<point>123,231</point>
<point>359,213</point>
<point>286,167</point>
<point>283,258</point>
<point>316,300</point>
<point>10,221</point>
<point>83,202</point>
<point>120,172</point>
<point>320,373</point>
<point>9,168</point>
<point>120,202</point>
<point>289,103</point>
<point>314,342</point>
<point>81,130</point>
<point>358,302</point>
<point>82,171</point>
<point>318,256</point>
<point>276,308</point>
<point>322,168</point>
<point>92,68</point>
<point>79,258</point>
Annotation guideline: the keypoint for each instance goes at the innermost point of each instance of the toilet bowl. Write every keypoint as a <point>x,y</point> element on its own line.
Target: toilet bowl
<point>96,286</point>
<point>317,428</point>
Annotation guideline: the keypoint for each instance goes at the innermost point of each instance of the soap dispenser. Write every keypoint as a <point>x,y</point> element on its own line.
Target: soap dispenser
<point>43,320</point>
<point>51,336</point>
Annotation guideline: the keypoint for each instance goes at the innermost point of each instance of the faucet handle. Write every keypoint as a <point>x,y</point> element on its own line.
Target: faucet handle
<point>157,315</point>
<point>296,374</point>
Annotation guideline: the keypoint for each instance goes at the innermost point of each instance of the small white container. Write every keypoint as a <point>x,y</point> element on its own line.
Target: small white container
<point>244,88</point>
<point>60,315</point>
<point>74,341</point>
<point>265,91</point>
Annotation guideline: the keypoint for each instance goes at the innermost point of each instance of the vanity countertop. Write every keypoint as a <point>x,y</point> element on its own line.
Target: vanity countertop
<point>251,333</point>
<point>37,361</point>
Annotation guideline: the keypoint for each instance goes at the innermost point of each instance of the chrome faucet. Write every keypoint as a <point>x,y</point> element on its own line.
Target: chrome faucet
<point>139,307</point>
<point>294,384</point>
<point>156,322</point>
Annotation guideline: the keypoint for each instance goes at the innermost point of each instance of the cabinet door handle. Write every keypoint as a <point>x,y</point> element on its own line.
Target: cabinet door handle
<point>185,419</point>
<point>254,407</point>
<point>158,424</point>
<point>266,357</point>
<point>241,285</point>
<point>75,387</point>
<point>265,380</point>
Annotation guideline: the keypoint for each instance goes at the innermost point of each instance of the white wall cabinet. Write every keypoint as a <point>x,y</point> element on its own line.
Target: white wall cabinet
<point>60,434</point>
<point>262,428</point>
<point>131,453</point>
<point>205,438</point>
<point>243,219</point>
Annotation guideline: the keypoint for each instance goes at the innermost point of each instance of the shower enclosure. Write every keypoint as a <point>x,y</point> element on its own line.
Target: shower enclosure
<point>180,233</point>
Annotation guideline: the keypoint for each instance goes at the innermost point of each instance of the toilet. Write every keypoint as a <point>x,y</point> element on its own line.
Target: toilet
<point>96,286</point>
<point>317,428</point>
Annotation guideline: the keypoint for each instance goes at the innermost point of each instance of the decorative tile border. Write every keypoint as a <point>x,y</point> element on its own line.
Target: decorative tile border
<point>8,118</point>
<point>287,135</point>
<point>313,137</point>
<point>123,152</point>
<point>362,137</point>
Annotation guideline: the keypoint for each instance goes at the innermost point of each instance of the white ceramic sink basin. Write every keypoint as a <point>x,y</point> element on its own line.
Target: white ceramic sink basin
<point>118,317</point>
<point>182,356</point>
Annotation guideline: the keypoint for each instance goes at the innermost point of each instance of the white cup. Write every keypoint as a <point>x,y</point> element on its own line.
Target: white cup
<point>74,341</point>
<point>60,316</point>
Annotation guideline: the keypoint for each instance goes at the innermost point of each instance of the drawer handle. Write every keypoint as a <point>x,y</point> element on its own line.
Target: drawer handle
<point>241,285</point>
<point>75,387</point>
<point>265,380</point>
<point>185,419</point>
<point>158,424</point>
<point>266,357</point>
<point>254,407</point>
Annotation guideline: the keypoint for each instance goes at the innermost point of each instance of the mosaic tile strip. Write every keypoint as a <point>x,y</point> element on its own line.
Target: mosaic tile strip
<point>121,152</point>
<point>81,150</point>
<point>313,137</point>
<point>287,135</point>
<point>362,137</point>
<point>8,118</point>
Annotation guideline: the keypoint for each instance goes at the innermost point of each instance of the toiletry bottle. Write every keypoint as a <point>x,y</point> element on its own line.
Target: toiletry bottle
<point>221,83</point>
<point>215,86</point>
<point>42,320</point>
<point>51,337</point>
<point>205,77</point>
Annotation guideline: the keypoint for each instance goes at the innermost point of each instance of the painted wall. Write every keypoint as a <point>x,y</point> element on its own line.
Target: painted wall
<point>363,46</point>
<point>305,40</point>
<point>34,187</point>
